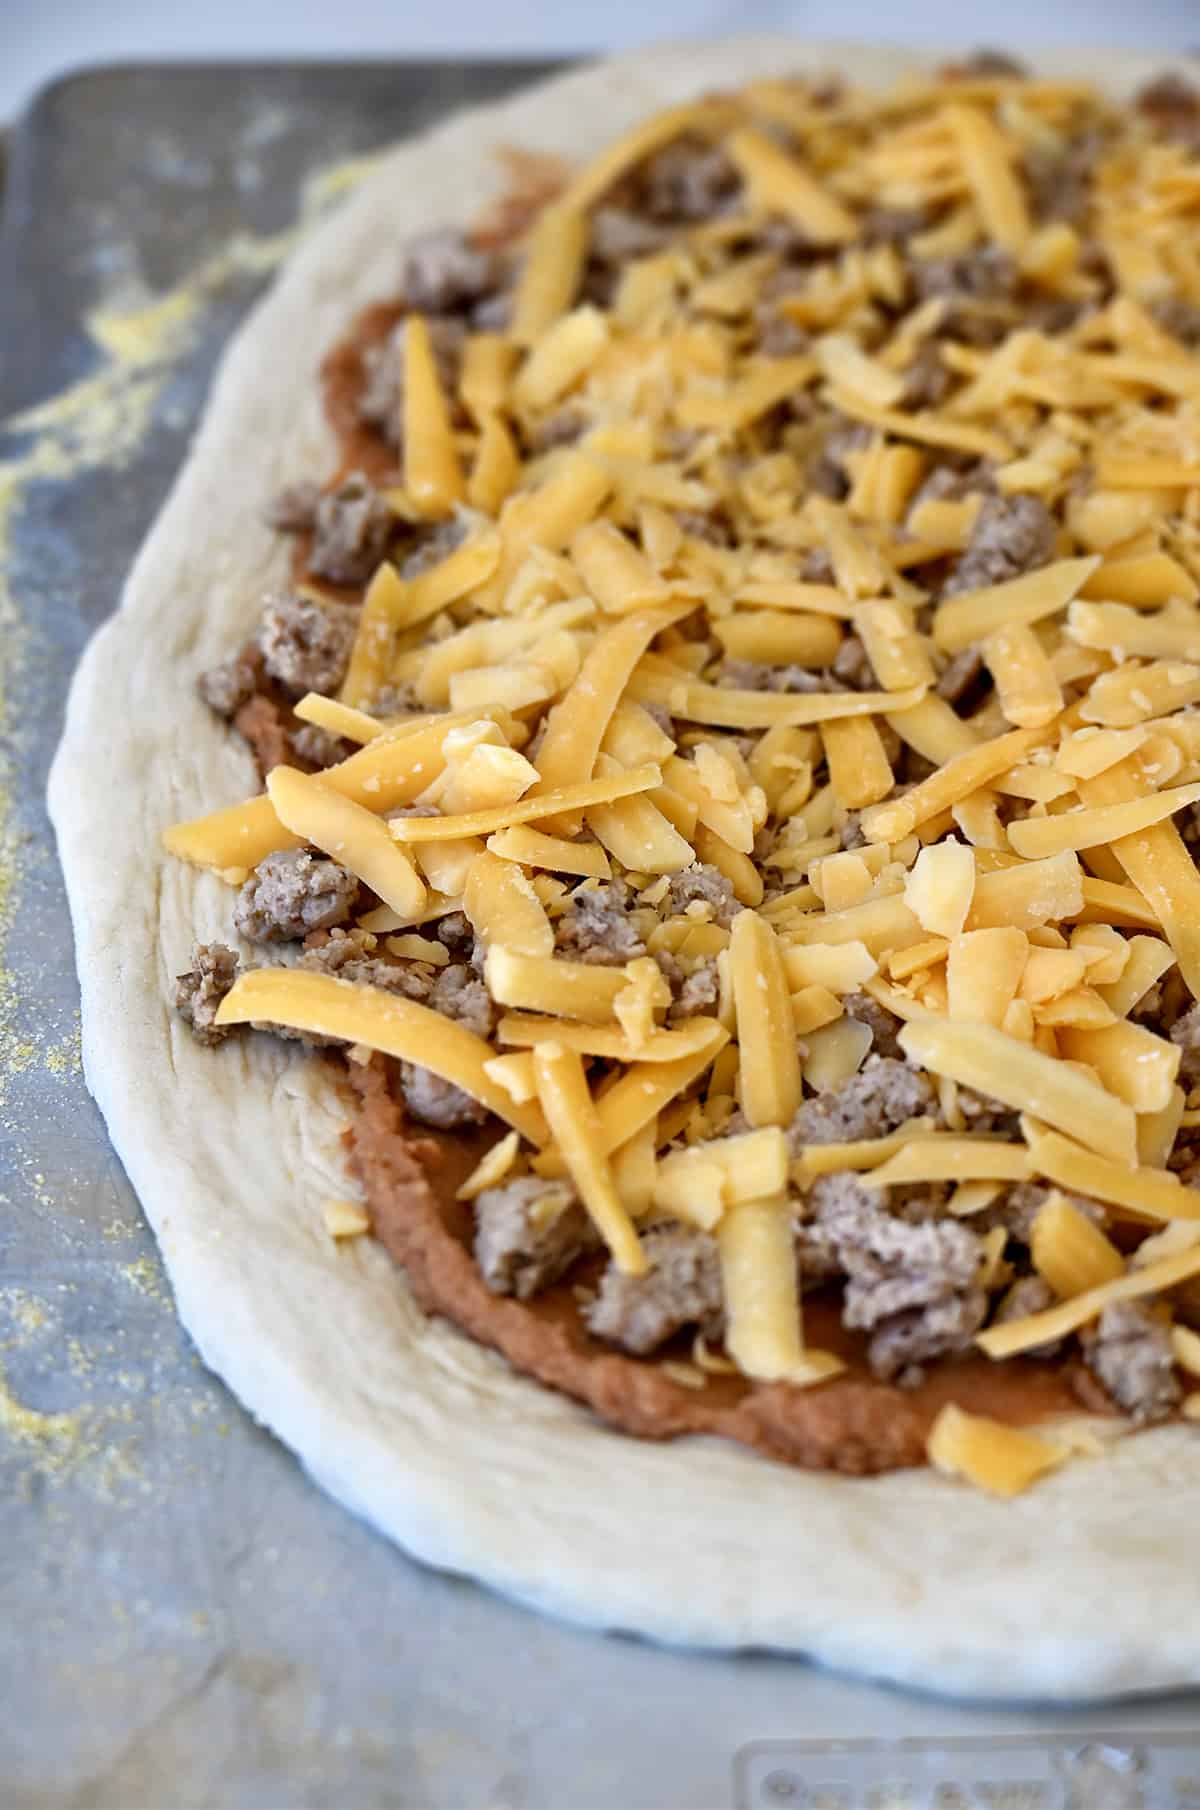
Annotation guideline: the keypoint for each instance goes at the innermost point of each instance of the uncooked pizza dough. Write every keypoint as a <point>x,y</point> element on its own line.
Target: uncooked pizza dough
<point>1086,1585</point>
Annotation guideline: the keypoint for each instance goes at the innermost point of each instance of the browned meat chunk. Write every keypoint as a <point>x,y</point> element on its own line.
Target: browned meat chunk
<point>1059,181</point>
<point>597,927</point>
<point>1186,1033</point>
<point>963,670</point>
<point>1011,535</point>
<point>927,381</point>
<point>618,235</point>
<point>225,688</point>
<point>829,474</point>
<point>753,675</point>
<point>708,885</point>
<point>437,1102</point>
<point>681,1287</point>
<point>442,271</point>
<point>688,180</point>
<point>350,954</point>
<point>351,532</point>
<point>434,545</point>
<point>306,645</point>
<point>317,748</point>
<point>294,509</point>
<point>1020,1205</point>
<point>1028,1296</point>
<point>1172,105</point>
<point>695,991</point>
<point>562,428</point>
<point>291,893</point>
<point>987,63</point>
<point>852,666</point>
<point>711,527</point>
<point>458,993</point>
<point>982,1113</point>
<point>912,1285</point>
<point>883,1095</point>
<point>1178,317</point>
<point>1129,1351</point>
<point>978,288</point>
<point>882,1024</point>
<point>200,991</point>
<point>528,1233</point>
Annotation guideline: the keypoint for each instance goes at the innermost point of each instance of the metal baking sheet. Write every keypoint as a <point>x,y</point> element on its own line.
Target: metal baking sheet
<point>184,1619</point>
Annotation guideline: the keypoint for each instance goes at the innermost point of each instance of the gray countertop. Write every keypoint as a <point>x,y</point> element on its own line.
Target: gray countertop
<point>184,1619</point>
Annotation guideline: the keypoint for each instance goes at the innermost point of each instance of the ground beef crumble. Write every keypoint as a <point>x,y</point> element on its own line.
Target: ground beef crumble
<point>882,1096</point>
<point>1129,1351</point>
<point>291,893</point>
<point>1012,535</point>
<point>306,645</point>
<point>528,1233</point>
<point>681,1287</point>
<point>199,992</point>
<point>597,927</point>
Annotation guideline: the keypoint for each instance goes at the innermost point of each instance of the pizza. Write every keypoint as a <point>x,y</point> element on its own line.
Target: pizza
<point>641,940</point>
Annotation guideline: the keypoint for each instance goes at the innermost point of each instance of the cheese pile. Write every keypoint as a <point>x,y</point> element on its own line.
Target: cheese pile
<point>1012,908</point>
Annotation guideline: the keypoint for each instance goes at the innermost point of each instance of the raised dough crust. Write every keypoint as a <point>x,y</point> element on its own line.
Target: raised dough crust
<point>1084,1586</point>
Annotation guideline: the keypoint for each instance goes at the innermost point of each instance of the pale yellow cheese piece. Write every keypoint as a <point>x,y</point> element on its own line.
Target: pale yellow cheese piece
<point>433,474</point>
<point>371,654</point>
<point>446,865</point>
<point>835,1052</point>
<point>1090,751</point>
<point>780,184</point>
<point>610,1041</point>
<point>814,1007</point>
<point>491,1168</point>
<point>1000,1459</point>
<point>697,1184</point>
<point>738,868</point>
<point>399,1027</point>
<point>634,1166</point>
<point>566,989</point>
<point>934,729</point>
<point>983,971</point>
<point>640,836</point>
<point>465,569</point>
<point>1133,694</point>
<point>1149,959</point>
<point>1170,634</point>
<point>762,1296</point>
<point>859,770</point>
<point>571,1115</point>
<point>940,887</point>
<point>770,1060</point>
<point>1029,692</point>
<point>1131,1061</point>
<point>961,775</point>
<point>534,848</point>
<point>1037,837</point>
<point>727,407</point>
<point>779,637</point>
<point>514,1073</point>
<point>1057,1322</point>
<point>996,190</point>
<point>939,1157</point>
<point>546,804</point>
<point>550,277</point>
<point>1028,894</point>
<point>979,1056</point>
<point>1144,1193</point>
<point>559,357</point>
<point>495,469</point>
<point>489,776</point>
<point>974,615</point>
<point>1069,1252</point>
<point>487,366</point>
<point>898,655</point>
<point>546,517</point>
<point>842,967</point>
<point>926,428</point>
<point>617,574</point>
<point>1143,580</point>
<point>659,682</point>
<point>352,836</point>
<point>1159,865</point>
<point>338,718</point>
<point>419,949</point>
<point>503,908</point>
<point>393,770</point>
<point>879,924</point>
<point>576,726</point>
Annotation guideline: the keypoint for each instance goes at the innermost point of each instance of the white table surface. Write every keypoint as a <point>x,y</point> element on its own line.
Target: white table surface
<point>41,39</point>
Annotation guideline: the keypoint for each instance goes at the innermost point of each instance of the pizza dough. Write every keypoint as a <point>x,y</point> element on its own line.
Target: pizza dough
<point>1084,1586</point>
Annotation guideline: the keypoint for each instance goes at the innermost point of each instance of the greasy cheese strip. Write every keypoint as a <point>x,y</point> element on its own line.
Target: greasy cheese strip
<point>925,429</point>
<point>392,770</point>
<point>1145,1193</point>
<point>503,907</point>
<point>571,1115</point>
<point>658,682</point>
<point>1057,1322</point>
<point>546,804</point>
<point>338,718</point>
<point>762,1296</point>
<point>537,983</point>
<point>964,774</point>
<point>534,848</point>
<point>979,1056</point>
<point>329,1007</point>
<point>371,654</point>
<point>974,615</point>
<point>605,1040</point>
<point>751,1165</point>
<point>464,570</point>
<point>1037,837</point>
<point>1030,694</point>
<point>985,159</point>
<point>952,1159</point>
<point>780,184</point>
<point>770,1060</point>
<point>546,517</point>
<point>1158,863</point>
<point>554,261</point>
<point>577,724</point>
<point>354,837</point>
<point>433,474</point>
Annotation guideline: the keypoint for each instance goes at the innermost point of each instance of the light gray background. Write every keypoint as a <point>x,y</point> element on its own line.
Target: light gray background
<point>42,38</point>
